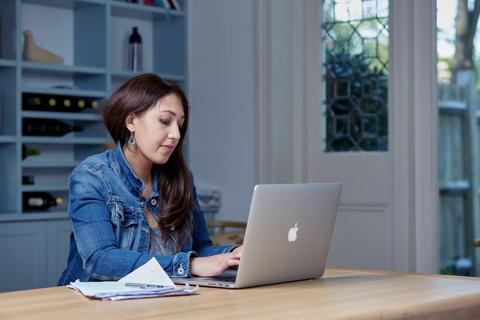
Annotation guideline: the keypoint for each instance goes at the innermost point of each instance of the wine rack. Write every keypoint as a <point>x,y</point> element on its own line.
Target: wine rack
<point>90,36</point>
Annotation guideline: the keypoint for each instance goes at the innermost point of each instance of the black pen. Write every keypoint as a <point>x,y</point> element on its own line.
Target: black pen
<point>144,285</point>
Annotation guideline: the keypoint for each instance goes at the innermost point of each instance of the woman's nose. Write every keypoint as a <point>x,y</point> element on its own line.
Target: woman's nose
<point>174,132</point>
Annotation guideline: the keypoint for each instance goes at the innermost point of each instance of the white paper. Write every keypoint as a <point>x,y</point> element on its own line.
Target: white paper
<point>109,288</point>
<point>150,273</point>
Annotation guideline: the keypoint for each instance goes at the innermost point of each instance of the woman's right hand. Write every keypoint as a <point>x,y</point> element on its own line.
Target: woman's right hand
<point>214,265</point>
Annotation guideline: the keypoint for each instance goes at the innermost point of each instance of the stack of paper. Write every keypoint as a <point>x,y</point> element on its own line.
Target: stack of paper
<point>149,280</point>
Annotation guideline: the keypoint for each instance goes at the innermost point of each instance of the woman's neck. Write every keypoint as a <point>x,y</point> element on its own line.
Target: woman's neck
<point>140,165</point>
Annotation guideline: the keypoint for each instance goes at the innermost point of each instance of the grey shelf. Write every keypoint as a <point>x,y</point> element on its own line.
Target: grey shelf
<point>61,69</point>
<point>44,188</point>
<point>65,140</point>
<point>7,63</point>
<point>62,115</point>
<point>138,11</point>
<point>69,92</point>
<point>65,4</point>
<point>33,216</point>
<point>8,139</point>
<point>31,163</point>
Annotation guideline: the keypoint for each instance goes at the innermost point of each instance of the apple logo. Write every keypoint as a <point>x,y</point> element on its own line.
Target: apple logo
<point>292,233</point>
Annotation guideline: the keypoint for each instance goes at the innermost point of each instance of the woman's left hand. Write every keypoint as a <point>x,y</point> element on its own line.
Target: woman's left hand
<point>237,252</point>
<point>216,264</point>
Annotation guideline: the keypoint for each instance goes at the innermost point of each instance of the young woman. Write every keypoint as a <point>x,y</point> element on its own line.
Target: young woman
<point>138,201</point>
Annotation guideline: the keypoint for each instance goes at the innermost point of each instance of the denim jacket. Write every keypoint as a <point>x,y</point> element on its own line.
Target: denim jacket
<point>111,234</point>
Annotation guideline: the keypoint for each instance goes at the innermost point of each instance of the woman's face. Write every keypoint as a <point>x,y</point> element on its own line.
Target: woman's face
<point>157,130</point>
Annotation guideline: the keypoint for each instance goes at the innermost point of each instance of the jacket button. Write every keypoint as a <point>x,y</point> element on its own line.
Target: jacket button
<point>153,202</point>
<point>180,271</point>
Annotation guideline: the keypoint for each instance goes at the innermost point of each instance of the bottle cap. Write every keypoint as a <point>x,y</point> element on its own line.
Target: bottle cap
<point>59,201</point>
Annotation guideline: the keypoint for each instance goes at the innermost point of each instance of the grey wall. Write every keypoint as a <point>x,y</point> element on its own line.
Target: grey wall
<point>222,98</point>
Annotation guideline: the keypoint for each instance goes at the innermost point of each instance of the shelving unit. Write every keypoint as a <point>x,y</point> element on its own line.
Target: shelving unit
<point>91,36</point>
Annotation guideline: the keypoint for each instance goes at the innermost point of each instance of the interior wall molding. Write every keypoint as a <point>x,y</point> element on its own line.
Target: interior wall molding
<point>263,124</point>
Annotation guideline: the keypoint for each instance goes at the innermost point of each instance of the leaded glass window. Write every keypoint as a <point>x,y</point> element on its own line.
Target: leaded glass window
<point>355,73</point>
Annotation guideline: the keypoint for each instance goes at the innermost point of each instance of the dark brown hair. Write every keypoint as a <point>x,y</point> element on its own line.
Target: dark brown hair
<point>136,96</point>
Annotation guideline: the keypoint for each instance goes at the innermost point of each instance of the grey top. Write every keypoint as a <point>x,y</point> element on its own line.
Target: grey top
<point>158,246</point>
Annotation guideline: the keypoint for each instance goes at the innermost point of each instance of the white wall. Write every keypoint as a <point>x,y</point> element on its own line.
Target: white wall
<point>222,99</point>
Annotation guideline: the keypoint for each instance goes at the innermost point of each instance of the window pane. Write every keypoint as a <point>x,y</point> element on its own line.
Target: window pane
<point>355,72</point>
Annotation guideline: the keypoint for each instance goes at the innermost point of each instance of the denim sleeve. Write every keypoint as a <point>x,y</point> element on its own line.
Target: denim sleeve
<point>202,244</point>
<point>97,245</point>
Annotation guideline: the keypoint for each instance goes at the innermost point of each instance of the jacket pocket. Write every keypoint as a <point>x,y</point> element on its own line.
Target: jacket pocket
<point>124,222</point>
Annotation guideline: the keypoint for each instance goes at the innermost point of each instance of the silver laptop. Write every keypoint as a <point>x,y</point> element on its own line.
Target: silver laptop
<point>287,238</point>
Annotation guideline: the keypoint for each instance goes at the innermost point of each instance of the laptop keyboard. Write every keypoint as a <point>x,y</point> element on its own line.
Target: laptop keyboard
<point>224,279</point>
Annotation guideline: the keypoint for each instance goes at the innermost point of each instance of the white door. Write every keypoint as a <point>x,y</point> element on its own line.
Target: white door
<point>387,214</point>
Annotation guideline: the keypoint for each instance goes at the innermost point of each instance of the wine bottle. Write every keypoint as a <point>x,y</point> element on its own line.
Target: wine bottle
<point>32,102</point>
<point>26,152</point>
<point>135,54</point>
<point>52,102</point>
<point>39,201</point>
<point>93,103</point>
<point>47,127</point>
<point>60,103</point>
<point>81,103</point>
<point>67,103</point>
<point>28,180</point>
<point>39,102</point>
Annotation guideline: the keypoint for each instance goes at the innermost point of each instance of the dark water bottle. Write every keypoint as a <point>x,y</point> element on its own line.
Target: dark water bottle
<point>47,127</point>
<point>135,52</point>
<point>40,201</point>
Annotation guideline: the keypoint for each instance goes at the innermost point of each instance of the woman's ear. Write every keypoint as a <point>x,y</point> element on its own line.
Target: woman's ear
<point>129,122</point>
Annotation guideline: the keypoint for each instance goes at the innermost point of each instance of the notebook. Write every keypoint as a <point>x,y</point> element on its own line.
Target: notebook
<point>287,237</point>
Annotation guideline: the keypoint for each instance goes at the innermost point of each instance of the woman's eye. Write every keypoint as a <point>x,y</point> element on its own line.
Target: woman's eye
<point>165,122</point>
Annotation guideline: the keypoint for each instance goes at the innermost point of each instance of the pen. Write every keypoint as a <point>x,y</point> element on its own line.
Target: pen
<point>144,285</point>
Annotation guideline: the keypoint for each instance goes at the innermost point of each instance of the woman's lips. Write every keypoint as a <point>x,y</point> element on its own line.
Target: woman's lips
<point>168,148</point>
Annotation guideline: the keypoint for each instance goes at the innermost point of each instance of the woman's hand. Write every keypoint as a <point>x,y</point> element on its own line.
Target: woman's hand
<point>215,265</point>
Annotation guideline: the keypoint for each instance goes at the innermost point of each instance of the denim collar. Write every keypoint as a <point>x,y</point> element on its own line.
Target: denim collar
<point>128,176</point>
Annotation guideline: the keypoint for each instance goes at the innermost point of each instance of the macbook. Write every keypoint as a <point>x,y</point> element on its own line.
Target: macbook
<point>287,237</point>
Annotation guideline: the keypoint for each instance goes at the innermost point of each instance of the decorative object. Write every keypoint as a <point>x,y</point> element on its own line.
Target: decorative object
<point>32,52</point>
<point>168,4</point>
<point>210,200</point>
<point>135,52</point>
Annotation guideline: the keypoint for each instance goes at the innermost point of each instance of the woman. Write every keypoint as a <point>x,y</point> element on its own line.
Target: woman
<point>138,201</point>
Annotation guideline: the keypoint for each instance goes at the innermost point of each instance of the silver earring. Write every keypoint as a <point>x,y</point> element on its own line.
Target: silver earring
<point>131,140</point>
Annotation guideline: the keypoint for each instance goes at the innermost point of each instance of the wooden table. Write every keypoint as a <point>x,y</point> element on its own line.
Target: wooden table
<point>340,294</point>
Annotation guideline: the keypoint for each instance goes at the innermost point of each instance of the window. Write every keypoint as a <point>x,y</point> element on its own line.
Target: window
<point>355,72</point>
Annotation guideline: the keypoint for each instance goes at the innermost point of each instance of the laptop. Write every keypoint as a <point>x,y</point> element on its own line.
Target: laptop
<point>287,238</point>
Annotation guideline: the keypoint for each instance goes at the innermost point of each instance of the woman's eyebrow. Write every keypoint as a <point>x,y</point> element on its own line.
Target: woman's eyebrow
<point>171,112</point>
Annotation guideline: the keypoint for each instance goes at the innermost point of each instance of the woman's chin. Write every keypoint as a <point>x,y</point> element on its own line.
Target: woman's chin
<point>160,160</point>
